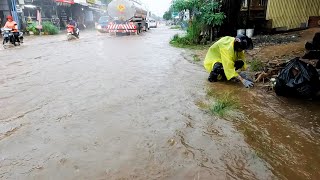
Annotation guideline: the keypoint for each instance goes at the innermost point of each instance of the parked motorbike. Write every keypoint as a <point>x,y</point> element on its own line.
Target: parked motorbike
<point>8,37</point>
<point>72,32</point>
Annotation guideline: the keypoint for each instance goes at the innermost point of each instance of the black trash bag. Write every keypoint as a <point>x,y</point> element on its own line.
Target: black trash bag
<point>297,79</point>
<point>312,55</point>
<point>315,44</point>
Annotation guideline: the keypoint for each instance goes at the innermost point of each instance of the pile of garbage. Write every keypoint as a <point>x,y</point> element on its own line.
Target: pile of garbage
<point>299,77</point>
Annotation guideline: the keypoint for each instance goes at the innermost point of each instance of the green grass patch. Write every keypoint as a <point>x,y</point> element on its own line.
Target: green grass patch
<point>223,105</point>
<point>175,27</point>
<point>183,40</point>
<point>196,58</point>
<point>193,46</point>
<point>186,42</point>
<point>256,65</point>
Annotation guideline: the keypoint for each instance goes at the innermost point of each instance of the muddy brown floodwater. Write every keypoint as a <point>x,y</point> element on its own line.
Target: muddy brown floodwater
<point>121,108</point>
<point>284,132</point>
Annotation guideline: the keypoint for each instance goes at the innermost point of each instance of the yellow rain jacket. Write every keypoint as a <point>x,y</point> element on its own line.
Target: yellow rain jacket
<point>223,51</point>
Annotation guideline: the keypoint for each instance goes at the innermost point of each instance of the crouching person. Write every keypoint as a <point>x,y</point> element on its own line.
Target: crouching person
<point>226,57</point>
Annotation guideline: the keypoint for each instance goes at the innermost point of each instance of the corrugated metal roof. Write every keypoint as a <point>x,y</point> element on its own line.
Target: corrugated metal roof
<point>291,13</point>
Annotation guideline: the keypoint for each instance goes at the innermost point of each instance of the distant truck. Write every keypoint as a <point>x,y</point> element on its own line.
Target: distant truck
<point>128,16</point>
<point>153,23</point>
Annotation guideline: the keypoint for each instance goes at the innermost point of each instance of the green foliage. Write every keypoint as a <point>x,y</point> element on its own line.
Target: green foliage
<point>180,5</point>
<point>175,37</point>
<point>177,40</point>
<point>175,27</point>
<point>256,65</point>
<point>49,28</point>
<point>196,58</point>
<point>210,15</point>
<point>167,15</point>
<point>191,38</point>
<point>204,15</point>
<point>213,19</point>
<point>33,28</point>
<point>185,42</point>
<point>194,31</point>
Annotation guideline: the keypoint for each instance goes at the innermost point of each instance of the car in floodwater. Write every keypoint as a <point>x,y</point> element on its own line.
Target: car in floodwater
<point>102,23</point>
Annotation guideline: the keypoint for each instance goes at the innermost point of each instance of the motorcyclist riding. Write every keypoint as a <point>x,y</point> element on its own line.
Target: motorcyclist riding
<point>226,57</point>
<point>73,23</point>
<point>11,24</point>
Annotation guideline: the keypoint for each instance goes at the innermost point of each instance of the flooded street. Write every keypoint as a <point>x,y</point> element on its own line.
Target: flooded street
<point>125,108</point>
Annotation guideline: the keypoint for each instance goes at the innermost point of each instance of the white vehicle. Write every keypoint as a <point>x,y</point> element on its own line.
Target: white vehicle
<point>129,16</point>
<point>153,23</point>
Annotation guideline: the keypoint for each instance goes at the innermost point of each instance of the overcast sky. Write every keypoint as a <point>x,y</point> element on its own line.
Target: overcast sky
<point>157,7</point>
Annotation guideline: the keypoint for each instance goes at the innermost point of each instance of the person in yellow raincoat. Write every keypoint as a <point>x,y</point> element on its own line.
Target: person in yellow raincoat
<point>226,56</point>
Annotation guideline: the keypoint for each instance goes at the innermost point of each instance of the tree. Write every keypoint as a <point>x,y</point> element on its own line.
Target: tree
<point>204,15</point>
<point>167,15</point>
<point>184,5</point>
<point>211,16</point>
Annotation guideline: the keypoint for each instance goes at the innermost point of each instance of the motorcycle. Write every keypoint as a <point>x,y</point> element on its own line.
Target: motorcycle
<point>8,37</point>
<point>71,32</point>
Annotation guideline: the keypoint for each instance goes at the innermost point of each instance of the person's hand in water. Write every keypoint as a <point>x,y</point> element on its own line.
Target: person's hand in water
<point>247,83</point>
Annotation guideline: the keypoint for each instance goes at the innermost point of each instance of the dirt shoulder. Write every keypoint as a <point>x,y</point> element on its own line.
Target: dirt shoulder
<point>276,47</point>
<point>284,50</point>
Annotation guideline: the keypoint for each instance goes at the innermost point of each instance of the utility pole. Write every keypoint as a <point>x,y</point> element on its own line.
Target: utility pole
<point>14,12</point>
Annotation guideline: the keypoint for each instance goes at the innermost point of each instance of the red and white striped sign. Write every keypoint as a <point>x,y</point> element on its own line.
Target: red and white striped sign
<point>121,28</point>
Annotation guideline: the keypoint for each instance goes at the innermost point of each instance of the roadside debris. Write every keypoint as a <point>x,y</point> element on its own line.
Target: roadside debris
<point>271,70</point>
<point>297,79</point>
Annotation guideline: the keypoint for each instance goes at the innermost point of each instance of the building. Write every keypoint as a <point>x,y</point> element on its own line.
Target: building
<point>278,14</point>
<point>60,11</point>
<point>55,11</point>
<point>88,11</point>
